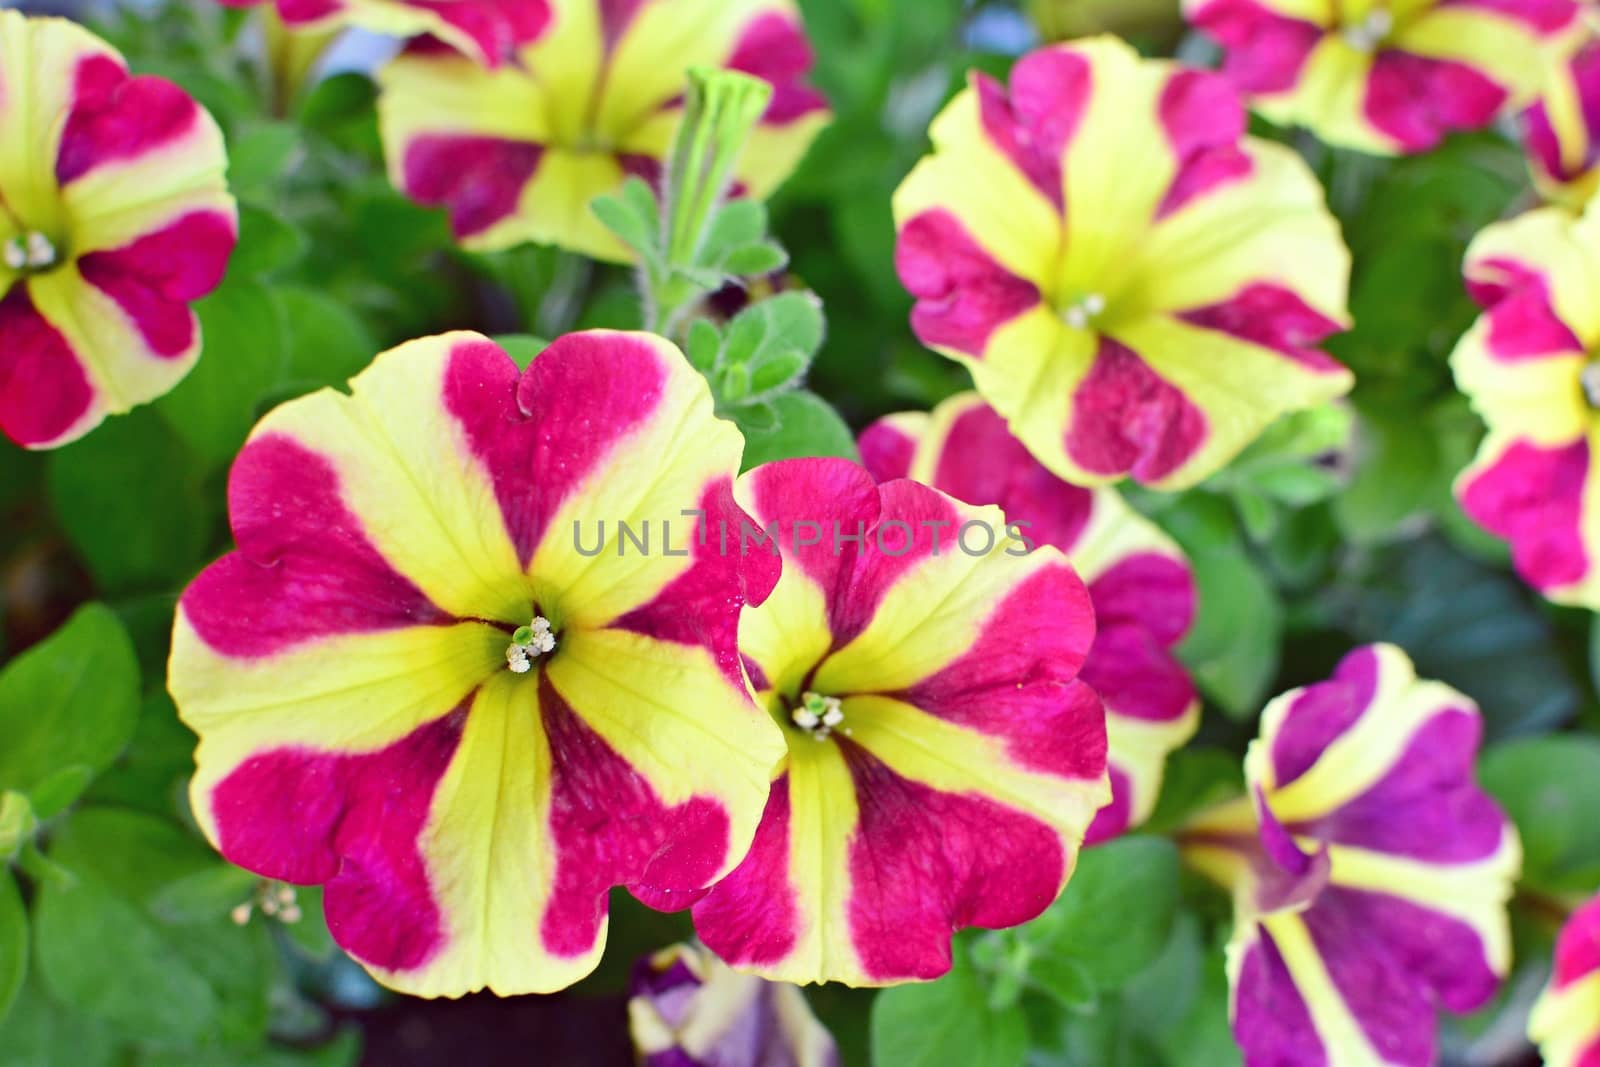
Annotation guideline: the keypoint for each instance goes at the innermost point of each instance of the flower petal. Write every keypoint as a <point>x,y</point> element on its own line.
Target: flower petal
<point>1566,1019</point>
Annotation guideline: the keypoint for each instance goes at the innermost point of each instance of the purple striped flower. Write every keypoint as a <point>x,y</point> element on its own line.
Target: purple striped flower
<point>1370,873</point>
<point>689,1009</point>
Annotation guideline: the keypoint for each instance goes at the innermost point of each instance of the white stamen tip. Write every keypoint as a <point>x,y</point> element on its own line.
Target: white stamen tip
<point>16,256</point>
<point>41,253</point>
<point>1081,314</point>
<point>529,643</point>
<point>1371,32</point>
<point>817,715</point>
<point>240,915</point>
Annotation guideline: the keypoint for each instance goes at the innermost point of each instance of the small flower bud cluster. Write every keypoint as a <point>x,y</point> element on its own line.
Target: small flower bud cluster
<point>276,900</point>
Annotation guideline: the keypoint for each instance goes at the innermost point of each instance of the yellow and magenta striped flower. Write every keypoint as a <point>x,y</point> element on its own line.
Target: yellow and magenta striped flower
<point>1566,1020</point>
<point>1139,580</point>
<point>1370,873</point>
<point>1136,286</point>
<point>944,759</point>
<point>487,31</point>
<point>1385,76</point>
<point>1529,369</point>
<point>114,215</point>
<point>518,153</point>
<point>1559,131</point>
<point>414,683</point>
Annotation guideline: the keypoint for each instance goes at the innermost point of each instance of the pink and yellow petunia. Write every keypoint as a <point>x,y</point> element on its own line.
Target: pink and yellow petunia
<point>517,154</point>
<point>1561,131</point>
<point>418,683</point>
<point>1566,1019</point>
<point>487,31</point>
<point>114,215</point>
<point>944,758</point>
<point>1385,76</point>
<point>1370,873</point>
<point>1529,367</point>
<point>1139,581</point>
<point>1136,286</point>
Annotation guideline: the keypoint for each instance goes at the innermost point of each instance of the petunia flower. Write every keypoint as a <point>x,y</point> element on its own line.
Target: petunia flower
<point>689,1009</point>
<point>1139,581</point>
<point>1560,129</point>
<point>438,678</point>
<point>944,757</point>
<point>114,215</point>
<point>1528,368</point>
<point>1136,286</point>
<point>518,153</point>
<point>1370,873</point>
<point>1566,1019</point>
<point>1385,76</point>
<point>486,31</point>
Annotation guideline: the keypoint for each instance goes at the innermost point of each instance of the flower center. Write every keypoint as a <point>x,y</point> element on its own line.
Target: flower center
<point>528,643</point>
<point>30,253</point>
<point>1081,312</point>
<point>1589,379</point>
<point>1366,35</point>
<point>818,715</point>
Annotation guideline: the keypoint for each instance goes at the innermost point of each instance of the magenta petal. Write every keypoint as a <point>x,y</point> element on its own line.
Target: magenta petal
<point>1533,497</point>
<point>963,295</point>
<point>352,822</point>
<point>304,568</point>
<point>998,868</point>
<point>1127,418</point>
<point>629,837</point>
<point>479,179</point>
<point>1417,100</point>
<point>1266,51</point>
<point>43,387</point>
<point>117,117</point>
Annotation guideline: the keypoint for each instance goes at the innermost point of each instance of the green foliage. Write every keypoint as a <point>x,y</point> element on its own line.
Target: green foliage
<point>67,708</point>
<point>947,1023</point>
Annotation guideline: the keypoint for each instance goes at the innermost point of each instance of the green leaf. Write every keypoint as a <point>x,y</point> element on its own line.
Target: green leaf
<point>259,156</point>
<point>71,700</point>
<point>619,215</point>
<point>1234,645</point>
<point>1470,626</point>
<point>739,224</point>
<point>1116,914</point>
<point>204,896</point>
<point>778,373</point>
<point>946,1023</point>
<point>267,244</point>
<point>705,345</point>
<point>521,347</point>
<point>40,1033</point>
<point>806,426</point>
<point>326,343</point>
<point>244,358</point>
<point>13,943</point>
<point>17,825</point>
<point>1550,787</point>
<point>1195,778</point>
<point>311,934</point>
<point>733,384</point>
<point>132,530</point>
<point>794,321</point>
<point>1397,462</point>
<point>755,260</point>
<point>103,952</point>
